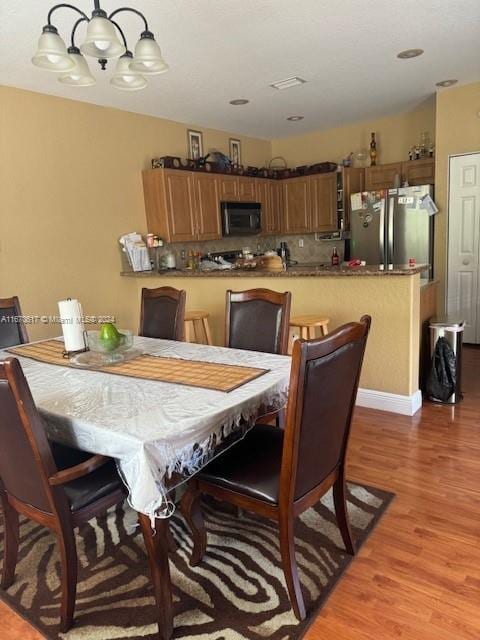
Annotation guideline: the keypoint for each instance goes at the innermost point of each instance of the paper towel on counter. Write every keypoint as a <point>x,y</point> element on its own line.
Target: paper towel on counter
<point>71,316</point>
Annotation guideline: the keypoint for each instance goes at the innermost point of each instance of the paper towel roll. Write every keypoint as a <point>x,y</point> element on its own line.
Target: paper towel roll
<point>71,316</point>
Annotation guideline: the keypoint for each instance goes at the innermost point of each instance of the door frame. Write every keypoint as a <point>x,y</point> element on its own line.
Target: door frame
<point>447,234</point>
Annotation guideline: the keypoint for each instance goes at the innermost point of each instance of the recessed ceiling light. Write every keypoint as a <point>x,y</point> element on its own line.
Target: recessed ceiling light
<point>409,53</point>
<point>295,118</point>
<point>239,101</point>
<point>288,83</point>
<point>446,83</point>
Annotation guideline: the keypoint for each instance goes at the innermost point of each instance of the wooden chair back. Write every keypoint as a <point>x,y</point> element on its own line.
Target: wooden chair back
<point>12,328</point>
<point>26,460</point>
<point>258,320</point>
<point>162,313</point>
<point>323,388</point>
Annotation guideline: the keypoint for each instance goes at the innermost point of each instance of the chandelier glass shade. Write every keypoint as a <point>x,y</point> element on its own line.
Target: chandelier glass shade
<point>125,77</point>
<point>80,75</point>
<point>148,56</point>
<point>52,53</point>
<point>104,40</point>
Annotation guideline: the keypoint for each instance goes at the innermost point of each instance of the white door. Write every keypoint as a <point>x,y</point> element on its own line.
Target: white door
<point>463,292</point>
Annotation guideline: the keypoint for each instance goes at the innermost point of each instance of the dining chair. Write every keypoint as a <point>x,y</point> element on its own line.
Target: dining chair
<point>162,313</point>
<point>12,328</point>
<point>279,474</point>
<point>53,485</point>
<point>257,320</point>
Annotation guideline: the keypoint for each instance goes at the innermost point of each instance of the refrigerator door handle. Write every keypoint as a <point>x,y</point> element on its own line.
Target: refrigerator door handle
<point>382,235</point>
<point>390,253</point>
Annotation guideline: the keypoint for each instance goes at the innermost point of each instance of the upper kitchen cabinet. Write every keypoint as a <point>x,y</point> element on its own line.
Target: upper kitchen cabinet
<point>228,187</point>
<point>169,204</point>
<point>236,188</point>
<point>296,205</point>
<point>269,195</point>
<point>207,206</point>
<point>351,180</point>
<point>247,190</point>
<point>382,176</point>
<point>181,206</point>
<point>323,194</point>
<point>417,172</point>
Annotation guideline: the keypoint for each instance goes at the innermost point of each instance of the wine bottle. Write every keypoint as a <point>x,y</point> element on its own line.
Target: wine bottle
<point>373,151</point>
<point>335,257</point>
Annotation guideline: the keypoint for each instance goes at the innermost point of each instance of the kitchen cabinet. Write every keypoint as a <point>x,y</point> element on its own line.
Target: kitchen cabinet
<point>182,206</point>
<point>351,180</point>
<point>228,186</point>
<point>382,176</point>
<point>417,172</point>
<point>247,190</point>
<point>323,202</point>
<point>207,203</point>
<point>269,194</point>
<point>297,204</point>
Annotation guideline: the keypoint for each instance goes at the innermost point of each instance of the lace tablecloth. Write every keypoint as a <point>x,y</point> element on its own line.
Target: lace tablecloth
<point>153,428</point>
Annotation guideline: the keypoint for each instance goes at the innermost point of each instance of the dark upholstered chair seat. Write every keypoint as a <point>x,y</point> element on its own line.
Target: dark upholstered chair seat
<point>89,488</point>
<point>252,466</point>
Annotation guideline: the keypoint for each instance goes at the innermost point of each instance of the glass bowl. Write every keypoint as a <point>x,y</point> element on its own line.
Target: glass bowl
<point>110,347</point>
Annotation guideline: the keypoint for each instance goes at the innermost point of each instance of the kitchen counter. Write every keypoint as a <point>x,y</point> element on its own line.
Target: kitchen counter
<point>297,271</point>
<point>390,376</point>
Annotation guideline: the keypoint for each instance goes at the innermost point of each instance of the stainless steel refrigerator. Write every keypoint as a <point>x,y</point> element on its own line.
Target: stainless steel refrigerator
<point>392,226</point>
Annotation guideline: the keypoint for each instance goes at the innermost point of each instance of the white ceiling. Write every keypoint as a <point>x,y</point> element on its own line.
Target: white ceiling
<point>224,49</point>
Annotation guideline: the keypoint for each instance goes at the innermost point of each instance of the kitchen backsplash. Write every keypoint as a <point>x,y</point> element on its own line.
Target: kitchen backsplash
<point>312,250</point>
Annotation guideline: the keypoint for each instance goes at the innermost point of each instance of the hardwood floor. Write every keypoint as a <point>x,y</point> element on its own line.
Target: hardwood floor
<point>418,575</point>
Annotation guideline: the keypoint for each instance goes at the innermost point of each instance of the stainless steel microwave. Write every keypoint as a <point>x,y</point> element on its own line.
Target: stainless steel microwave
<point>241,218</point>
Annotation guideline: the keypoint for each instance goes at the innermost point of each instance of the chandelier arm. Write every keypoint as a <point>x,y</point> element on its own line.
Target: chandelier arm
<point>65,6</point>
<point>131,11</point>
<point>79,21</point>
<point>121,32</point>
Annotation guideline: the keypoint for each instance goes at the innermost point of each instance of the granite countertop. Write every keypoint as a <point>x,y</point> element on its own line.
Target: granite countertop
<point>296,271</point>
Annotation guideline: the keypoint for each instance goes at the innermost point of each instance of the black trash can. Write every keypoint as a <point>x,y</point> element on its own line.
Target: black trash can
<point>443,383</point>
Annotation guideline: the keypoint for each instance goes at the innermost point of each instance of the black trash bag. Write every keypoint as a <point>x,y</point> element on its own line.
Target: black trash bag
<point>442,377</point>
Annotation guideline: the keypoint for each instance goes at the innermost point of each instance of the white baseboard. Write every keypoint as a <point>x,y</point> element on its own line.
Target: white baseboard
<point>393,402</point>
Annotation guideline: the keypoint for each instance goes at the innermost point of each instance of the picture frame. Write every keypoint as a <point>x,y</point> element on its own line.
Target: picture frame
<point>195,144</point>
<point>235,151</point>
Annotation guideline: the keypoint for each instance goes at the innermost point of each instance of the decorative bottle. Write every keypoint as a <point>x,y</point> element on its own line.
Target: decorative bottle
<point>373,151</point>
<point>335,257</point>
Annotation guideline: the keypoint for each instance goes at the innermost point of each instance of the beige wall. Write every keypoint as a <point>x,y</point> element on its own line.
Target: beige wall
<point>391,359</point>
<point>458,131</point>
<point>395,135</point>
<point>71,184</point>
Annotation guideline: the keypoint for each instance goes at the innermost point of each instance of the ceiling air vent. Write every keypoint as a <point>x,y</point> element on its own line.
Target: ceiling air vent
<point>287,83</point>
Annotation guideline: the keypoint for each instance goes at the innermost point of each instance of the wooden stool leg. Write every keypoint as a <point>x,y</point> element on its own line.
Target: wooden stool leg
<point>305,333</point>
<point>324,329</point>
<point>198,331</point>
<point>188,330</point>
<point>311,333</point>
<point>206,328</point>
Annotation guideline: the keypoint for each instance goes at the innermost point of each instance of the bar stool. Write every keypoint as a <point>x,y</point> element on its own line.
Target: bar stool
<point>308,326</point>
<point>196,324</point>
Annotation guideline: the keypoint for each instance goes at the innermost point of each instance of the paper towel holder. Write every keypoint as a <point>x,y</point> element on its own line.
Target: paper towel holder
<point>70,354</point>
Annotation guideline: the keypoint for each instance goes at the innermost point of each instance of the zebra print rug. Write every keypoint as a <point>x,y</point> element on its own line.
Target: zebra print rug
<point>236,593</point>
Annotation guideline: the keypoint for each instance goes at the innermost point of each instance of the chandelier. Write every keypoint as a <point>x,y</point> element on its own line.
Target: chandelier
<point>102,42</point>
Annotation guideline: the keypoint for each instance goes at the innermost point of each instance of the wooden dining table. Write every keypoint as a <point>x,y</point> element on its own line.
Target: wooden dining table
<point>159,432</point>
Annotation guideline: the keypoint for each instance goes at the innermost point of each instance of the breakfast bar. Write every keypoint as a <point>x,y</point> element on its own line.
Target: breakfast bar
<point>390,376</point>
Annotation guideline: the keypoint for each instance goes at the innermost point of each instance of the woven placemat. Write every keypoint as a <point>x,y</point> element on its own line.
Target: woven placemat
<point>193,373</point>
